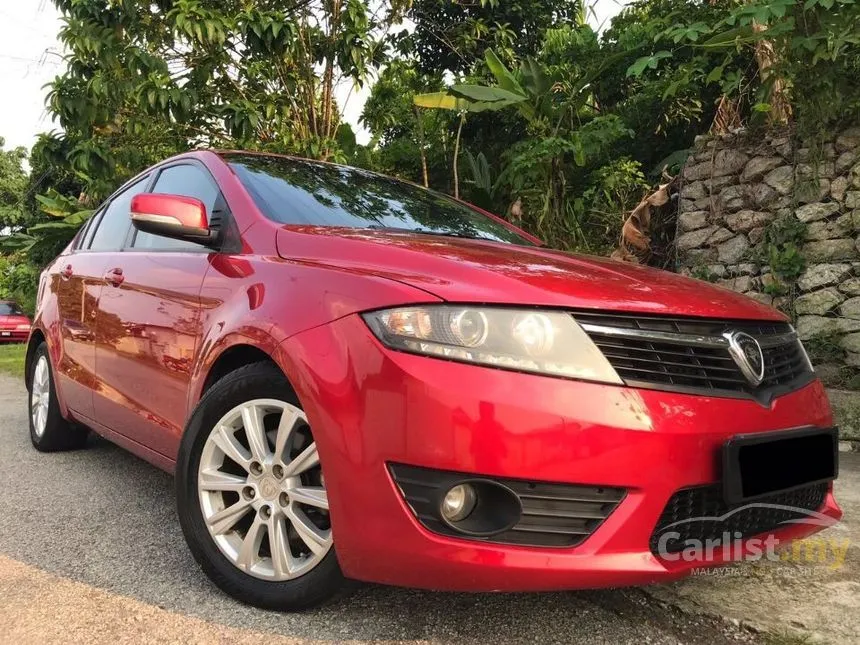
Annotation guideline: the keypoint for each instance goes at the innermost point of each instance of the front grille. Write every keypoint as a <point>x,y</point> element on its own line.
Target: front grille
<point>553,515</point>
<point>691,355</point>
<point>761,516</point>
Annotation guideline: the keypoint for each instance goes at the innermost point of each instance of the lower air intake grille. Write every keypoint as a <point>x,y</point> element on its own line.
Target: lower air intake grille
<point>760,516</point>
<point>554,515</point>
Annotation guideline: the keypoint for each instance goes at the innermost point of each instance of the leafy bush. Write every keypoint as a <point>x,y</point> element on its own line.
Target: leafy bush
<point>19,282</point>
<point>613,192</point>
<point>781,250</point>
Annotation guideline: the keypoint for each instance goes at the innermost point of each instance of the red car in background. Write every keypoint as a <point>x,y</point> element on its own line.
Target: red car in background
<point>353,376</point>
<point>14,323</point>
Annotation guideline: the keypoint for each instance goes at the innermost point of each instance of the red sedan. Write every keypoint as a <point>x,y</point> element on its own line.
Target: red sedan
<point>355,377</point>
<point>14,323</point>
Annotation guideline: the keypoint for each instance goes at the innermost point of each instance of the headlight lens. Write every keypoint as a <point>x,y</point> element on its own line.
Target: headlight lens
<point>544,342</point>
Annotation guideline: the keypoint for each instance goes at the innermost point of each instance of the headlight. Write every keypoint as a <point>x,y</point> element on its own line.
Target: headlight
<point>544,342</point>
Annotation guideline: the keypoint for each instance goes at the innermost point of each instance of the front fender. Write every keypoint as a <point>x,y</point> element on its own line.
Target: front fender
<point>263,301</point>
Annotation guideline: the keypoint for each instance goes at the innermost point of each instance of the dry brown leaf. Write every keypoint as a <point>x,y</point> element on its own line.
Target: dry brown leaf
<point>635,243</point>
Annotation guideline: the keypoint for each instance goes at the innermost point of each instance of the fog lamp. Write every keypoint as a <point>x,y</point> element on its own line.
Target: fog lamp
<point>458,502</point>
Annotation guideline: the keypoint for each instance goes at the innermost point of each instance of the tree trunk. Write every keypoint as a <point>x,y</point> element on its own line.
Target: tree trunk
<point>328,77</point>
<point>766,57</point>
<point>728,116</point>
<point>307,69</point>
<point>421,146</point>
<point>457,157</point>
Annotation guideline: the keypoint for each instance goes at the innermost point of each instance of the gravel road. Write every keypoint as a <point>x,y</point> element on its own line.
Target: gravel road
<point>91,551</point>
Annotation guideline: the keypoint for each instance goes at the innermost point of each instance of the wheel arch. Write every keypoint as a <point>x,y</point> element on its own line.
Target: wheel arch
<point>228,355</point>
<point>230,360</point>
<point>37,337</point>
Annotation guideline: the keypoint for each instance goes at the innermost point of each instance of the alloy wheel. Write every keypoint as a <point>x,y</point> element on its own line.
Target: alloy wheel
<point>40,396</point>
<point>262,492</point>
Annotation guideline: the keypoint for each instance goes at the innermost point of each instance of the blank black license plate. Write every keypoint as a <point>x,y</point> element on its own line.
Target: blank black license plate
<point>761,464</point>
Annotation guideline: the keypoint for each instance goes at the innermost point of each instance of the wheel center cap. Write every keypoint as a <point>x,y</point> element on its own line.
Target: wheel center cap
<point>269,488</point>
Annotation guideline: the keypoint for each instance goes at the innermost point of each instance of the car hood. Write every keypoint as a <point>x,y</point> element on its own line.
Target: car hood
<point>477,271</point>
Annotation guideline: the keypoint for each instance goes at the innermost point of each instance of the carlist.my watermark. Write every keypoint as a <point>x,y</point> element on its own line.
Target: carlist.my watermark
<point>678,543</point>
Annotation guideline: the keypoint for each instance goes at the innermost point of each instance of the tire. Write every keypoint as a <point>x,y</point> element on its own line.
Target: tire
<point>252,579</point>
<point>49,431</point>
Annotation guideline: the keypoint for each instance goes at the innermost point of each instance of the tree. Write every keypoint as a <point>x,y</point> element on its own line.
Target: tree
<point>392,116</point>
<point>13,185</point>
<point>463,99</point>
<point>146,79</point>
<point>451,36</point>
<point>797,57</point>
<point>565,125</point>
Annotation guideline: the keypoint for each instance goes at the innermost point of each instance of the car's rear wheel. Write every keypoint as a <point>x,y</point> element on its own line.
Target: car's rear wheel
<point>251,494</point>
<point>49,431</point>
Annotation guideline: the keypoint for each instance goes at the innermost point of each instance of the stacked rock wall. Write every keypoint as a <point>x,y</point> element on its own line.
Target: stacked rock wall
<point>738,191</point>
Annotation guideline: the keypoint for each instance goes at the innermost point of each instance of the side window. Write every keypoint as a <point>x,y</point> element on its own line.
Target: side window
<point>81,235</point>
<point>112,229</point>
<point>188,181</point>
<point>85,243</point>
<point>89,228</point>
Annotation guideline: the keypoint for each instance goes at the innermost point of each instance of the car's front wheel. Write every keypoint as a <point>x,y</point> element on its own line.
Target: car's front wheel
<point>251,494</point>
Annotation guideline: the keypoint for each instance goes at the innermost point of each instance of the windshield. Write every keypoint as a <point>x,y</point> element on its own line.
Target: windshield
<point>10,309</point>
<point>293,191</point>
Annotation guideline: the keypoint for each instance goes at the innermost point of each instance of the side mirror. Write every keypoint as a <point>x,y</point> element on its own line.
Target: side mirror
<point>174,216</point>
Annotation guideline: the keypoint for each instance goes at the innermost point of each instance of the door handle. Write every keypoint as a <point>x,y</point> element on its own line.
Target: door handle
<point>114,277</point>
<point>66,272</point>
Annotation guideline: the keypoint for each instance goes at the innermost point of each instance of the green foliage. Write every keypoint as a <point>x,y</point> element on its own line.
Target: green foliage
<point>45,239</point>
<point>483,187</point>
<point>615,189</point>
<point>18,282</point>
<point>781,249</point>
<point>13,185</point>
<point>565,130</point>
<point>703,273</point>
<point>145,80</point>
<point>811,49</point>
<point>12,359</point>
<point>567,133</point>
<point>407,136</point>
<point>450,36</point>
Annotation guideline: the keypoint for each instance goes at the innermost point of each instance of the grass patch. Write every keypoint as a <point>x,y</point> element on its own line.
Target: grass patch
<point>12,359</point>
<point>787,638</point>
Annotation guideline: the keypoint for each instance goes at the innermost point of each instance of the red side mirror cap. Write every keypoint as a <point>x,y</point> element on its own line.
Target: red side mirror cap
<point>174,216</point>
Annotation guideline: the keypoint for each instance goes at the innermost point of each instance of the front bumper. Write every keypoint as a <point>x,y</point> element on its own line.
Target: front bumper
<point>369,407</point>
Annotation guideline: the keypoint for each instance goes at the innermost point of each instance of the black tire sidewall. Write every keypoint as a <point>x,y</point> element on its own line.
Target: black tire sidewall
<point>258,381</point>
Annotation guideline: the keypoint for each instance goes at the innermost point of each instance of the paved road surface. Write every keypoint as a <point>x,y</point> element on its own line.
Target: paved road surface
<point>91,551</point>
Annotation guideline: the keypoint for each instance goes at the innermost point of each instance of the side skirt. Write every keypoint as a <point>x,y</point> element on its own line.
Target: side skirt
<point>147,454</point>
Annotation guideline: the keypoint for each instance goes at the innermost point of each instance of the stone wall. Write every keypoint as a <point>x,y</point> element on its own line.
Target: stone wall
<point>737,190</point>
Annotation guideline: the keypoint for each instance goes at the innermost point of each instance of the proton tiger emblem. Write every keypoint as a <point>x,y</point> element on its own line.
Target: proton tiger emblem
<point>746,352</point>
